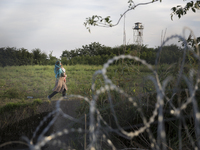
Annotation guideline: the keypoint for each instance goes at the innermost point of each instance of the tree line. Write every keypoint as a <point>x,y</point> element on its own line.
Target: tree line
<point>97,54</point>
<point>91,54</point>
<point>11,56</point>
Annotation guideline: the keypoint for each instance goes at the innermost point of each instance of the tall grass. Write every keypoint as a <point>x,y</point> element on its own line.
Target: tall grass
<point>19,82</point>
<point>133,81</point>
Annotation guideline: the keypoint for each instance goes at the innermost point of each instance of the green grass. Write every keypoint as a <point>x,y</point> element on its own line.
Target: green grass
<point>18,82</point>
<point>10,106</point>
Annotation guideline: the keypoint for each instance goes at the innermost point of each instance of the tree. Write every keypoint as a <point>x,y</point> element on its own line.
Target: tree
<point>66,54</point>
<point>92,49</point>
<point>38,56</point>
<point>52,59</point>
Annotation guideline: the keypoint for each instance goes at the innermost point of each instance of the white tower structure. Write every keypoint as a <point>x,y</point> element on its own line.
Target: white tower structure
<point>138,33</point>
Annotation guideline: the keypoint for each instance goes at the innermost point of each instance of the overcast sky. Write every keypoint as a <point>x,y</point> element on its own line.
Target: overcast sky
<point>57,25</point>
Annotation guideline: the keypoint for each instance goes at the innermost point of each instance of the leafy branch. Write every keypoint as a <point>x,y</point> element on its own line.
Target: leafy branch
<point>180,11</point>
<point>96,20</point>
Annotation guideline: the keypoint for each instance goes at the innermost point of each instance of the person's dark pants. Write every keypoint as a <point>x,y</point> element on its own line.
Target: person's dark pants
<point>54,93</point>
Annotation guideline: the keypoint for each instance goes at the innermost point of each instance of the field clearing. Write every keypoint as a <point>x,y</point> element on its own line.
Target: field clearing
<point>19,82</point>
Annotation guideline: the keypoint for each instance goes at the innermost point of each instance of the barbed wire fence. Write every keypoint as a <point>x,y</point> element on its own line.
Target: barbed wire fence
<point>99,129</point>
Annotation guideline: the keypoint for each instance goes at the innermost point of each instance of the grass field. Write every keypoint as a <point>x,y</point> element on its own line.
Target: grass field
<point>19,82</point>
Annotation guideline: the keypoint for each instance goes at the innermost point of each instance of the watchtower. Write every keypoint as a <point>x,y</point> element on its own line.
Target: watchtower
<point>138,33</point>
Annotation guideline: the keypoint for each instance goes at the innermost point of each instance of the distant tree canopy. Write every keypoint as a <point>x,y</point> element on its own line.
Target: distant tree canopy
<point>97,54</point>
<point>11,56</point>
<point>91,54</point>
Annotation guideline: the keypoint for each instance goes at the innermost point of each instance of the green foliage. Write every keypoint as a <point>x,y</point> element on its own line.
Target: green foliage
<point>11,106</point>
<point>181,11</point>
<point>169,54</point>
<point>92,54</point>
<point>11,56</point>
<point>96,54</point>
<point>39,58</point>
<point>97,21</point>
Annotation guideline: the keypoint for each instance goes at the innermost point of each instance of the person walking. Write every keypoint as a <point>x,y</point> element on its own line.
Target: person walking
<point>60,86</point>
